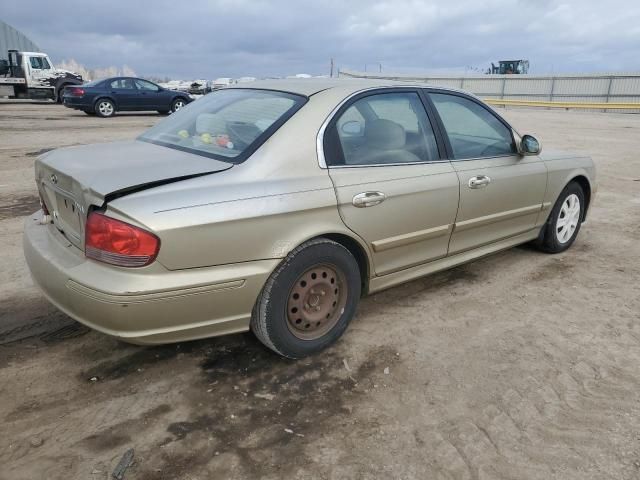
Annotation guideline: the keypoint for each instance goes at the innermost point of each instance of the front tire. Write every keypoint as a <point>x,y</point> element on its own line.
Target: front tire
<point>565,219</point>
<point>60,93</point>
<point>105,108</point>
<point>309,300</point>
<point>177,104</point>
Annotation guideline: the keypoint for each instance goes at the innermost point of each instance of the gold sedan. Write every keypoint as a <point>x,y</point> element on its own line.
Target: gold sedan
<point>275,207</point>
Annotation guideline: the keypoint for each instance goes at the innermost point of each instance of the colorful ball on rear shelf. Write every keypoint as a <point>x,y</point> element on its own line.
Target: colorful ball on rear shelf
<point>205,137</point>
<point>183,134</point>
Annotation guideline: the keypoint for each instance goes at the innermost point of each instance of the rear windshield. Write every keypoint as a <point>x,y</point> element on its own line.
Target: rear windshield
<point>228,124</point>
<point>93,83</point>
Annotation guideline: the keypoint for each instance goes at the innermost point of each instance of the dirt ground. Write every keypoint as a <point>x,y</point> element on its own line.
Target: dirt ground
<point>520,365</point>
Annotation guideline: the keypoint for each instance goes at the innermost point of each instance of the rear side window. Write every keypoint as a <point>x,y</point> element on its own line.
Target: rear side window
<point>473,131</point>
<point>123,84</point>
<point>227,124</point>
<point>385,128</point>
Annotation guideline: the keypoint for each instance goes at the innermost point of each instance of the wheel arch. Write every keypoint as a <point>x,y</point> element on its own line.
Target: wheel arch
<point>105,97</point>
<point>61,86</point>
<point>356,249</point>
<point>586,188</point>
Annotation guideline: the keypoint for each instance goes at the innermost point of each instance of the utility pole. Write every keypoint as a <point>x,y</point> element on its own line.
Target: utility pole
<point>331,72</point>
<point>374,63</point>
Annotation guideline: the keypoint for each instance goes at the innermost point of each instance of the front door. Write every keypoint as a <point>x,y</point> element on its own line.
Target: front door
<point>392,187</point>
<point>40,72</point>
<point>501,191</point>
<point>151,97</point>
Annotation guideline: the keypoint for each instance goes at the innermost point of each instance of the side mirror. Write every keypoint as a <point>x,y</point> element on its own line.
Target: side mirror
<point>529,145</point>
<point>351,128</point>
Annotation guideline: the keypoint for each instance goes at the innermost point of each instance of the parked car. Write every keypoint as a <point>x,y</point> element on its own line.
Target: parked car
<point>274,207</point>
<point>199,87</point>
<point>222,82</point>
<point>119,94</point>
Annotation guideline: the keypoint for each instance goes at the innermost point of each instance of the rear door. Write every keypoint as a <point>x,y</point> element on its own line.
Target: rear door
<point>501,191</point>
<point>125,93</point>
<point>392,186</point>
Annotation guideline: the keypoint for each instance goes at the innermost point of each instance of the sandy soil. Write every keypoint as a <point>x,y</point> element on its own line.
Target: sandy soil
<point>520,365</point>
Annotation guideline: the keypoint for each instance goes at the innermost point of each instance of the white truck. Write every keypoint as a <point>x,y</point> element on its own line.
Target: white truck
<point>31,75</point>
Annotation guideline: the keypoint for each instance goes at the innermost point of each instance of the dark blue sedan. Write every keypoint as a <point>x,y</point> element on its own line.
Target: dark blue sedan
<point>119,94</point>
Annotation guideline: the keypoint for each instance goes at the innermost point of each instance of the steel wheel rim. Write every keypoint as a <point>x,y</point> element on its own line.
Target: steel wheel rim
<point>316,301</point>
<point>568,218</point>
<point>105,108</point>
<point>178,105</point>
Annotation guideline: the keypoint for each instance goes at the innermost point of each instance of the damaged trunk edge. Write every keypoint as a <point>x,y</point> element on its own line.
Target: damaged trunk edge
<point>74,181</point>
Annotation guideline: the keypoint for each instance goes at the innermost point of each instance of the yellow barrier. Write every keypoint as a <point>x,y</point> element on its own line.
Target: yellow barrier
<point>536,103</point>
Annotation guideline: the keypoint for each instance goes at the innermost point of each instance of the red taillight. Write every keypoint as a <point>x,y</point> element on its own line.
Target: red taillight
<point>118,243</point>
<point>75,91</point>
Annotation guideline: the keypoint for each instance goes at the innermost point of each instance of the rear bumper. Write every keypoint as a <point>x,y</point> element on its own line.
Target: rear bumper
<point>78,103</point>
<point>150,305</point>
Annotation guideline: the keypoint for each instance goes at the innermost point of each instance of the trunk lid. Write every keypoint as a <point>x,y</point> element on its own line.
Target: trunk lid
<point>71,180</point>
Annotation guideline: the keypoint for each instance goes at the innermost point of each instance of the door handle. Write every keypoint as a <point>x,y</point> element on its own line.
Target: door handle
<point>368,199</point>
<point>479,181</point>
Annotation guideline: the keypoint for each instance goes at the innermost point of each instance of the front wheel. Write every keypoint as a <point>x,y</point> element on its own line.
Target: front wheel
<point>565,219</point>
<point>177,104</point>
<point>309,300</point>
<point>59,98</point>
<point>105,108</point>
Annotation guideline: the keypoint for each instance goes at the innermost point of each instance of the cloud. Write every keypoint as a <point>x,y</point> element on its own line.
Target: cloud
<point>208,39</point>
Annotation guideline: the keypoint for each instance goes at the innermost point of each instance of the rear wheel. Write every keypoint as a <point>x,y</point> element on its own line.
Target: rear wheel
<point>105,108</point>
<point>563,224</point>
<point>177,104</point>
<point>308,302</point>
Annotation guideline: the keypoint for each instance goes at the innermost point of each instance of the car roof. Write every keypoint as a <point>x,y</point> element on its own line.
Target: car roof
<point>311,86</point>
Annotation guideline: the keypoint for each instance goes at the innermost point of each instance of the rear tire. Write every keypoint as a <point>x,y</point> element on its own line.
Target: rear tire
<point>309,300</point>
<point>105,108</point>
<point>563,225</point>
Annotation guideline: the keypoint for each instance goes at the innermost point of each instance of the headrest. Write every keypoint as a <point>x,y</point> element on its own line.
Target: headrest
<point>385,134</point>
<point>207,123</point>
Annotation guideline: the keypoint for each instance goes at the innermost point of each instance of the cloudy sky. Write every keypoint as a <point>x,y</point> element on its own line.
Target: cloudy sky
<point>216,38</point>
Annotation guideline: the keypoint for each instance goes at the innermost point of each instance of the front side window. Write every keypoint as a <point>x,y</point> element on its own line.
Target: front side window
<point>473,131</point>
<point>39,63</point>
<point>144,85</point>
<point>123,84</point>
<point>385,128</point>
<point>227,124</point>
